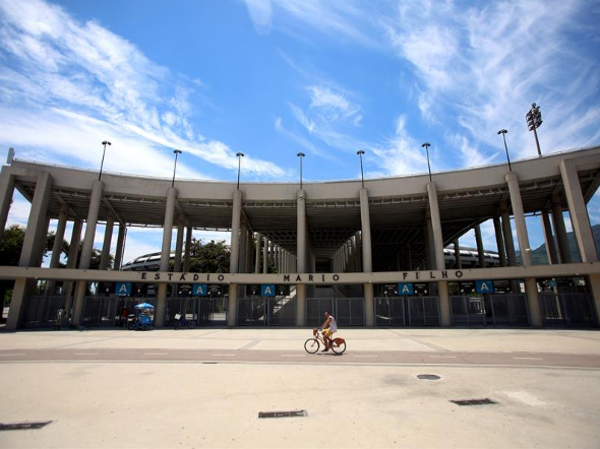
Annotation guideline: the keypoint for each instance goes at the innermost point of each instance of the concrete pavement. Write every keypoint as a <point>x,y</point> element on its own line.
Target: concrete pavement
<point>205,388</point>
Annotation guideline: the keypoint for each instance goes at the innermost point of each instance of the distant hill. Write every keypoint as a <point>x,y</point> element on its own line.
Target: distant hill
<point>540,257</point>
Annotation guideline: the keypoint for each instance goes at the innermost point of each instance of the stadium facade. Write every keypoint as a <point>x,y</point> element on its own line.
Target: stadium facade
<point>373,253</point>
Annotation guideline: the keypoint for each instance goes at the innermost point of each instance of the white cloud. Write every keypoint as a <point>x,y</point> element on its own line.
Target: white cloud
<point>85,71</point>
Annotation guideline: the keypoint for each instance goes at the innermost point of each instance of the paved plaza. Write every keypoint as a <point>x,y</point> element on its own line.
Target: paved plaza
<point>206,387</point>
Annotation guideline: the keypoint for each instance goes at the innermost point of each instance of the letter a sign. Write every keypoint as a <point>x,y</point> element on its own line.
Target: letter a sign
<point>123,288</point>
<point>200,290</point>
<point>267,290</point>
<point>405,289</point>
<point>484,286</point>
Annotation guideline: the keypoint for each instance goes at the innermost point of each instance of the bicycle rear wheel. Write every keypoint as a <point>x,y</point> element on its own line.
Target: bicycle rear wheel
<point>311,345</point>
<point>192,324</point>
<point>338,345</point>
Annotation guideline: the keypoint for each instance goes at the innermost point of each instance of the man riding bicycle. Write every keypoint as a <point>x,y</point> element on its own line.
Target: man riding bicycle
<point>328,328</point>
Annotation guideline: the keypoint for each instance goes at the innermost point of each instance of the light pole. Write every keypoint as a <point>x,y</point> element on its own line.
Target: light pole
<point>106,142</point>
<point>177,153</point>
<point>362,178</point>
<point>503,132</point>
<point>534,120</point>
<point>426,145</point>
<point>239,156</point>
<point>301,155</point>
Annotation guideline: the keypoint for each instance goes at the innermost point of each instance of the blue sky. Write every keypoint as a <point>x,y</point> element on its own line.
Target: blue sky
<point>273,78</point>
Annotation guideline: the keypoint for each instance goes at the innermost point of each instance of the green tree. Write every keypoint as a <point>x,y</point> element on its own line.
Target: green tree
<point>211,257</point>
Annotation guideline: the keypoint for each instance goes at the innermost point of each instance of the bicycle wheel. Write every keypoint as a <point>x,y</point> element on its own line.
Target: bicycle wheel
<point>311,345</point>
<point>338,345</point>
<point>192,324</point>
<point>177,324</point>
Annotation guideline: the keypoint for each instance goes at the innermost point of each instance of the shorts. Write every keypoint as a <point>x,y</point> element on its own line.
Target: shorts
<point>327,332</point>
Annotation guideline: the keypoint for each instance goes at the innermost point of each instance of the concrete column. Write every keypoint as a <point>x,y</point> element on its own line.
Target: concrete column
<point>243,238</point>
<point>518,212</point>
<point>265,255</point>
<point>369,305</point>
<point>35,237</point>
<point>72,260</point>
<point>438,245</point>
<point>480,250</point>
<point>59,237</point>
<point>458,263</point>
<point>436,224</point>
<point>508,237</point>
<point>248,251</point>
<point>444,296</point>
<point>533,301</point>
<point>301,257</point>
<point>179,243</point>
<point>7,187</point>
<point>108,232</point>
<point>120,244</point>
<point>232,307</point>
<point>558,221</point>
<point>257,255</point>
<point>578,212</point>
<point>500,241</point>
<point>594,284</point>
<point>365,221</point>
<point>161,296</point>
<point>86,250</point>
<point>235,231</point>
<point>549,239</point>
<point>188,248</point>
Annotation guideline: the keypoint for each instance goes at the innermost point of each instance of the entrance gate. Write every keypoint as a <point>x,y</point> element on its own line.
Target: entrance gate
<point>505,309</point>
<point>407,311</point>
<point>347,311</point>
<point>267,311</point>
<point>467,310</point>
<point>573,309</point>
<point>41,311</point>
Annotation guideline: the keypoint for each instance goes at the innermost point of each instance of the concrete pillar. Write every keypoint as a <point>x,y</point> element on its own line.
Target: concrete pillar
<point>500,241</point>
<point>436,224</point>
<point>120,245</point>
<point>248,251</point>
<point>438,245</point>
<point>458,260</point>
<point>369,305</point>
<point>578,212</point>
<point>232,307</point>
<point>549,239</point>
<point>558,222</point>
<point>299,264</point>
<point>87,249</point>
<point>35,237</point>
<point>480,250</point>
<point>519,214</point>
<point>265,255</point>
<point>59,237</point>
<point>508,237</point>
<point>161,296</point>
<point>235,231</point>
<point>444,295</point>
<point>188,248</point>
<point>179,243</point>
<point>257,255</point>
<point>72,260</point>
<point>301,305</point>
<point>243,238</point>
<point>108,232</point>
<point>365,220</point>
<point>594,289</point>
<point>7,187</point>
<point>533,302</point>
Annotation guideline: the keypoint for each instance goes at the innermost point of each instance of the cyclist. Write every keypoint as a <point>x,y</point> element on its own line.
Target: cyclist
<point>329,327</point>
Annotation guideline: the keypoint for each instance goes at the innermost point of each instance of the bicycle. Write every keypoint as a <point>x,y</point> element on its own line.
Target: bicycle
<point>183,321</point>
<point>312,345</point>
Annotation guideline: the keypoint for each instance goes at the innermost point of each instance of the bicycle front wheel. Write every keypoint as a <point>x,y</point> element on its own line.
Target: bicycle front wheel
<point>338,346</point>
<point>311,345</point>
<point>192,324</point>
